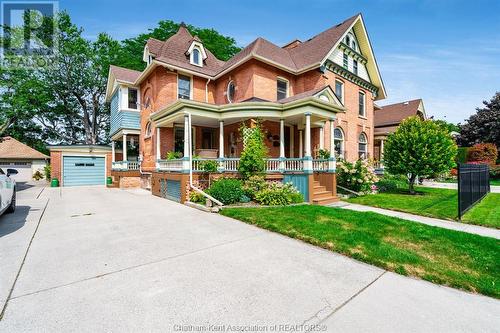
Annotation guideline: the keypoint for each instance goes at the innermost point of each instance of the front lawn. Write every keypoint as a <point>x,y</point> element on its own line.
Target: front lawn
<point>442,256</point>
<point>436,202</point>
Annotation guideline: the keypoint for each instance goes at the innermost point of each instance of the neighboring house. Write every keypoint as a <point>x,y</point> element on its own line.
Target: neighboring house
<point>388,118</point>
<point>311,95</point>
<point>17,155</point>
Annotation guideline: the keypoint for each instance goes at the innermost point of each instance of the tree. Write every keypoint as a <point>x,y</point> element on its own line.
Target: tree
<point>130,55</point>
<point>484,126</point>
<point>252,160</point>
<point>450,127</point>
<point>419,148</point>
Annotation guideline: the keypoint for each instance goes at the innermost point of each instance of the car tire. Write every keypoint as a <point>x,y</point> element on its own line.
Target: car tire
<point>12,207</point>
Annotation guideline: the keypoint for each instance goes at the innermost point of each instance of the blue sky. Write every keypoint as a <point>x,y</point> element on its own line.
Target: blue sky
<point>446,52</point>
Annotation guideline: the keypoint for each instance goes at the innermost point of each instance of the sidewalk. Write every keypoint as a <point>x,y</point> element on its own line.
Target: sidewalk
<point>454,186</point>
<point>472,229</point>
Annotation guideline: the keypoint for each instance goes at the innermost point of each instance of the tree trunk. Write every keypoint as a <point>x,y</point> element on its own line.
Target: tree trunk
<point>411,183</point>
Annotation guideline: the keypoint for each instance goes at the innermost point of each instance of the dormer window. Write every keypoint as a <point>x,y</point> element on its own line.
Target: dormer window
<point>196,57</point>
<point>132,98</point>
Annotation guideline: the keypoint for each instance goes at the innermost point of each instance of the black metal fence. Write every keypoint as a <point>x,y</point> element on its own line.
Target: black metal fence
<point>473,185</point>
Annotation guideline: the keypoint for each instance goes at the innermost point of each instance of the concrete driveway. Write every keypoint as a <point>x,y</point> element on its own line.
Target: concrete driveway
<point>107,260</point>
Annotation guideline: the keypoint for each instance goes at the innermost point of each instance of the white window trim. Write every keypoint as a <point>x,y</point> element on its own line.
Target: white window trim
<point>190,84</point>
<point>280,78</point>
<point>203,54</point>
<point>146,135</point>
<point>364,104</point>
<point>343,89</point>
<point>123,99</point>
<point>342,141</point>
<point>227,91</point>
<point>365,143</point>
<point>200,57</point>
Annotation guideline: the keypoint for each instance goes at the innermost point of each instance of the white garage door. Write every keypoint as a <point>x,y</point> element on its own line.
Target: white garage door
<point>24,173</point>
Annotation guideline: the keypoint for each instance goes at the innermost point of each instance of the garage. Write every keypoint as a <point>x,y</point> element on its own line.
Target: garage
<point>83,170</point>
<point>24,171</point>
<point>79,165</point>
<point>22,158</point>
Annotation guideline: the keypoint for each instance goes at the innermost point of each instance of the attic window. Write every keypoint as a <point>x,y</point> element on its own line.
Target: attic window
<point>196,57</point>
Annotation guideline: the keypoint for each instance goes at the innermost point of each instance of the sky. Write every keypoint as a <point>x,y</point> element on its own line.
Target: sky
<point>445,52</point>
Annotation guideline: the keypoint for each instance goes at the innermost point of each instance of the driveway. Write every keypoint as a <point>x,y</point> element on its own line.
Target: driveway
<point>107,260</point>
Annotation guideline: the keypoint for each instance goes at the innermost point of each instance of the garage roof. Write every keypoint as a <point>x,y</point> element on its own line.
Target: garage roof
<point>12,149</point>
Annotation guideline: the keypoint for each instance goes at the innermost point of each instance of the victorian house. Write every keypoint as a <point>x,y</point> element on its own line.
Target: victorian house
<point>187,107</point>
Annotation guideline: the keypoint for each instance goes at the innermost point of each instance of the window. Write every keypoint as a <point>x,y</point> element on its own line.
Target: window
<point>339,90</point>
<point>362,146</point>
<point>282,88</point>
<point>355,67</point>
<point>231,89</point>
<point>346,61</point>
<point>348,40</point>
<point>196,57</point>
<point>353,45</point>
<point>184,87</point>
<point>208,138</point>
<point>179,138</point>
<point>362,111</point>
<point>338,140</point>
<point>132,98</point>
<point>147,131</point>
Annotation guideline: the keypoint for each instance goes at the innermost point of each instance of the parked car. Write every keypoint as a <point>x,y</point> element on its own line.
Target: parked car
<point>7,191</point>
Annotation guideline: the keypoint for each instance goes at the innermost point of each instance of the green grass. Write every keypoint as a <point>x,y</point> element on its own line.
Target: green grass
<point>436,202</point>
<point>456,259</point>
<point>486,212</point>
<point>495,182</point>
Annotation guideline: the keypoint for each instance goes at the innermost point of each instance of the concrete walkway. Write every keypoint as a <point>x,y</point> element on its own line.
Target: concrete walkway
<point>454,186</point>
<point>470,228</point>
<point>107,260</point>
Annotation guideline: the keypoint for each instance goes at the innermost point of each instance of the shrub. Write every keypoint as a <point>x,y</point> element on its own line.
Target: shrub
<point>209,166</point>
<point>47,170</point>
<point>462,153</point>
<point>252,159</point>
<point>38,175</point>
<point>390,183</point>
<point>278,194</point>
<point>324,154</point>
<point>419,148</point>
<point>483,152</point>
<point>495,171</point>
<point>226,190</point>
<point>356,176</point>
<point>253,185</point>
<point>197,197</point>
<point>173,155</point>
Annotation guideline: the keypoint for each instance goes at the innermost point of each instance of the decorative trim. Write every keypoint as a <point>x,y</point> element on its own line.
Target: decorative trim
<point>339,70</point>
<point>353,53</point>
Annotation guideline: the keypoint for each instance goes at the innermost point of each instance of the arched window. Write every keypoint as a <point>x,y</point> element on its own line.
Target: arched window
<point>353,45</point>
<point>362,146</point>
<point>348,40</point>
<point>147,130</point>
<point>196,57</point>
<point>338,137</point>
<point>231,90</point>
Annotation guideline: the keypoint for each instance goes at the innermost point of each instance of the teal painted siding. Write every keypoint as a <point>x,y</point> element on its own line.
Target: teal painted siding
<point>170,189</point>
<point>80,170</point>
<point>122,119</point>
<point>301,182</point>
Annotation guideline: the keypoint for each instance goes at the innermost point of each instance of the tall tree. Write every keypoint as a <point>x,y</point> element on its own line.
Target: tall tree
<point>484,126</point>
<point>130,55</point>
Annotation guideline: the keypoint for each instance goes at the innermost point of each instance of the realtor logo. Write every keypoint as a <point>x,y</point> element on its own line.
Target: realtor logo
<point>28,33</point>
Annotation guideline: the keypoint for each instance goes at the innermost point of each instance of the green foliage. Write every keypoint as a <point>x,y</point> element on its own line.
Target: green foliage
<point>38,175</point>
<point>197,197</point>
<point>324,154</point>
<point>419,148</point>
<point>252,159</point>
<point>47,170</point>
<point>253,185</point>
<point>462,153</point>
<point>131,50</point>
<point>209,166</point>
<point>226,190</point>
<point>358,176</point>
<point>173,155</point>
<point>278,194</point>
<point>495,172</point>
<point>484,126</point>
<point>449,127</point>
<point>483,152</point>
<point>391,183</point>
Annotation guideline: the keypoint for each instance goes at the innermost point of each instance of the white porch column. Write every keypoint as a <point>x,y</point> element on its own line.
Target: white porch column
<point>113,156</point>
<point>308,167</point>
<point>158,150</point>
<point>301,141</point>
<point>221,146</point>
<point>322,137</point>
<point>292,141</point>
<point>282,143</point>
<point>124,155</point>
<point>332,165</point>
<point>187,144</point>
<point>381,152</point>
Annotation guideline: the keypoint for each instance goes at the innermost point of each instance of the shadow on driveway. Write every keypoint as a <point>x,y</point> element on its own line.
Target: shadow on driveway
<point>10,223</point>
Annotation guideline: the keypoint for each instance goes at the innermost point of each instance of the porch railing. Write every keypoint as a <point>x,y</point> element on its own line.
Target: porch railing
<point>125,166</point>
<point>273,165</point>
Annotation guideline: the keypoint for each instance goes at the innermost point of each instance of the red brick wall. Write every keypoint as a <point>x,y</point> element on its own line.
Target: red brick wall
<point>55,164</point>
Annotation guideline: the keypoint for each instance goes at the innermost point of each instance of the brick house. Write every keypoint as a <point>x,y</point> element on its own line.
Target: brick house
<point>311,95</point>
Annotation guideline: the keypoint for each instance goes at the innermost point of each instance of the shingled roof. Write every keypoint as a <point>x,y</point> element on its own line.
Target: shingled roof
<point>124,74</point>
<point>10,148</point>
<point>393,114</point>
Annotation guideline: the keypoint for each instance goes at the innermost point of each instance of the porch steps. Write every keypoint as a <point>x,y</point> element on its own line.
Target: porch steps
<point>321,196</point>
